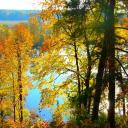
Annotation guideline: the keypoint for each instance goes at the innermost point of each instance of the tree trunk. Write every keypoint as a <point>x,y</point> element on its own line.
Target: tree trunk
<point>14,99</point>
<point>78,74</point>
<point>124,110</point>
<point>111,60</point>
<point>99,79</point>
<point>1,111</point>
<point>87,80</point>
<point>19,73</point>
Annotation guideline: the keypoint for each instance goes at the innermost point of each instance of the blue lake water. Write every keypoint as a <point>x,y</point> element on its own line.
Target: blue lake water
<point>32,101</point>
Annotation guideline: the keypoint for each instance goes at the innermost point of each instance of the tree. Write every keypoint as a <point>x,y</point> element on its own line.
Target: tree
<point>15,55</point>
<point>23,44</point>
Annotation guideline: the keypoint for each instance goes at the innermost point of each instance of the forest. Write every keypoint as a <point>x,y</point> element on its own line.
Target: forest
<point>75,51</point>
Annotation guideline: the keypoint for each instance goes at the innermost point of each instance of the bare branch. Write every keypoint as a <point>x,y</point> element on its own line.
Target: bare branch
<point>121,50</point>
<point>121,28</point>
<point>75,73</point>
<point>121,66</point>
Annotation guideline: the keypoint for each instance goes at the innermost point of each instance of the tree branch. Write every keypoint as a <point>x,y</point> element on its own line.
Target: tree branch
<point>121,66</point>
<point>75,72</point>
<point>121,28</point>
<point>121,50</point>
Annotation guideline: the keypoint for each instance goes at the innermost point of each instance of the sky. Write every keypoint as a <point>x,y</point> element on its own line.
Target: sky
<point>20,4</point>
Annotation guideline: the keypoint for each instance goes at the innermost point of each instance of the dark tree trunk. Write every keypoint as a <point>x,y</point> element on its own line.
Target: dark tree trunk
<point>101,68</point>
<point>78,74</point>
<point>79,84</point>
<point>1,112</point>
<point>2,118</point>
<point>111,53</point>
<point>124,109</point>
<point>99,79</point>
<point>108,51</point>
<point>87,80</point>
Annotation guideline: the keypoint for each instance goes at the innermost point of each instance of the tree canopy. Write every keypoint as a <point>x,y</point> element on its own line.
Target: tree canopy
<point>76,52</point>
